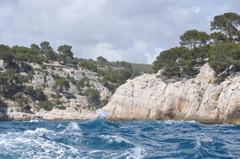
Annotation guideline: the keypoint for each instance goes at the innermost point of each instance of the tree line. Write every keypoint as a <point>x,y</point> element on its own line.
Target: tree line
<point>220,48</point>
<point>36,53</point>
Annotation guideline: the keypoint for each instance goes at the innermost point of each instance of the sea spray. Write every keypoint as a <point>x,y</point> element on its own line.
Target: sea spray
<point>102,114</point>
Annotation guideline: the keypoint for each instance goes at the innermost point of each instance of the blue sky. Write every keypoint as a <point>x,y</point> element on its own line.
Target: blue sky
<point>130,30</point>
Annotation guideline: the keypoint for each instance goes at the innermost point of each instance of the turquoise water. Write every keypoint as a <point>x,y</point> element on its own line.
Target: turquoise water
<point>117,140</point>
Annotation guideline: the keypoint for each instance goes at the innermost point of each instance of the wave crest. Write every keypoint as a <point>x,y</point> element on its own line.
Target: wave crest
<point>114,139</point>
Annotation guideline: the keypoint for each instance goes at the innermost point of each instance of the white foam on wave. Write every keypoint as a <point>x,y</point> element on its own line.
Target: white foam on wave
<point>201,139</point>
<point>32,144</point>
<point>114,139</point>
<point>60,125</point>
<point>34,121</point>
<point>138,152</point>
<point>178,121</point>
<point>102,114</point>
<point>94,151</point>
<point>73,129</point>
<point>37,132</point>
<point>73,126</point>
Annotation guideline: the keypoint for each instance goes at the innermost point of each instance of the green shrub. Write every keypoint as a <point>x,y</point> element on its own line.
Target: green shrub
<point>61,107</point>
<point>89,64</point>
<point>61,84</point>
<point>102,60</point>
<point>7,56</point>
<point>27,55</point>
<point>109,85</point>
<point>36,94</point>
<point>39,94</point>
<point>28,90</point>
<point>225,57</point>
<point>46,105</point>
<point>56,96</point>
<point>4,51</point>
<point>179,61</point>
<point>200,55</point>
<point>44,67</point>
<point>117,76</point>
<point>10,84</point>
<point>25,78</point>
<point>92,95</point>
<point>58,103</point>
<point>2,104</point>
<point>21,99</point>
<point>47,50</point>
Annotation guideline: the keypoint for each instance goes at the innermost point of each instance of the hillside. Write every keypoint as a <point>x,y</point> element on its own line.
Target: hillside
<point>38,82</point>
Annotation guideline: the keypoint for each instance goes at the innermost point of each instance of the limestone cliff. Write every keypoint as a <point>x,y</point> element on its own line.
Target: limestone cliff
<point>64,89</point>
<point>151,96</point>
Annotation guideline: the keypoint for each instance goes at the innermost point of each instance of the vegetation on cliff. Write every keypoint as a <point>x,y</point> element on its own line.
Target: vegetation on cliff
<point>221,49</point>
<point>20,66</point>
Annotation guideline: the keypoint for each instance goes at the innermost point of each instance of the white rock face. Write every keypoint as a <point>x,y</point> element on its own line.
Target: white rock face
<point>149,97</point>
<point>1,64</point>
<point>56,114</point>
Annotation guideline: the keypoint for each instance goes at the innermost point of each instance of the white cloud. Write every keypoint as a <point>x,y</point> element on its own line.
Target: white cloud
<point>106,51</point>
<point>119,30</point>
<point>151,56</point>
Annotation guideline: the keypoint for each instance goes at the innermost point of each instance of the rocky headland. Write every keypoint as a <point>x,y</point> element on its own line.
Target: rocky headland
<point>149,96</point>
<point>152,96</point>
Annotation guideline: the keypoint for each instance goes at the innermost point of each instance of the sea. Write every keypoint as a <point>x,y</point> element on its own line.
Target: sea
<point>102,139</point>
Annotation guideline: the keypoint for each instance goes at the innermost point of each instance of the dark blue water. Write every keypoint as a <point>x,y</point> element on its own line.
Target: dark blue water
<point>117,140</point>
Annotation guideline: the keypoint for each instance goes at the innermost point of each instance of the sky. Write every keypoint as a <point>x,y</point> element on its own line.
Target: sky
<point>130,30</point>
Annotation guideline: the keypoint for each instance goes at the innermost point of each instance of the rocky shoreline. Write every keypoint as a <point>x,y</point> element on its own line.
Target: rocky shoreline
<point>54,114</point>
<point>151,97</point>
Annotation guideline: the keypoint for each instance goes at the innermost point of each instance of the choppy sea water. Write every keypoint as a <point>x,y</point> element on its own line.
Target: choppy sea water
<point>117,140</point>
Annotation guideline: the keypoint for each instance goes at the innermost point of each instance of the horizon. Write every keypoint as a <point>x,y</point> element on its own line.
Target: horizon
<point>132,31</point>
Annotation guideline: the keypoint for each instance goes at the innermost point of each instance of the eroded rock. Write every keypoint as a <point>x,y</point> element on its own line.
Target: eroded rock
<point>150,97</point>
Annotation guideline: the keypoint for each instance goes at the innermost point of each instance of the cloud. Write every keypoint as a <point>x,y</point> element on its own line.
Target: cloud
<point>119,30</point>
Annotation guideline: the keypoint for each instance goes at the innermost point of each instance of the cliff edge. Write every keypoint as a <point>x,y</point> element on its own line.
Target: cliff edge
<point>150,96</point>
